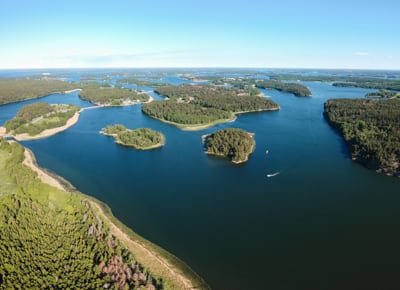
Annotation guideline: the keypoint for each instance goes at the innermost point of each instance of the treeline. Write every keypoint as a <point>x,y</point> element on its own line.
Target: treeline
<point>379,84</point>
<point>383,94</point>
<point>184,113</point>
<point>371,128</point>
<point>51,239</point>
<point>141,138</point>
<point>296,89</point>
<point>101,94</point>
<point>19,89</point>
<point>142,83</point>
<point>235,144</point>
<point>195,104</point>
<point>37,117</point>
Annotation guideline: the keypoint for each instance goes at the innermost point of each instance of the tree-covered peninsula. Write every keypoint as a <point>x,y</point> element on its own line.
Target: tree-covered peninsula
<point>296,89</point>
<point>371,129</point>
<point>383,94</point>
<point>54,239</point>
<point>35,118</point>
<point>141,138</point>
<point>142,83</point>
<point>106,95</point>
<point>232,143</point>
<point>19,89</point>
<point>197,107</point>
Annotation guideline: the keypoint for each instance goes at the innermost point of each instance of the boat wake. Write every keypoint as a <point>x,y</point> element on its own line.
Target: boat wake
<point>273,174</point>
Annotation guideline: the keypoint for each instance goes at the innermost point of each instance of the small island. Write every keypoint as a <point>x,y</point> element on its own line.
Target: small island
<point>232,143</point>
<point>106,95</point>
<point>141,138</point>
<point>371,129</point>
<point>295,89</point>
<point>40,120</point>
<point>196,107</point>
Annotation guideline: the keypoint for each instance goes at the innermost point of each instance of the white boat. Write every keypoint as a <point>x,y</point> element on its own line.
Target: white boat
<point>273,174</point>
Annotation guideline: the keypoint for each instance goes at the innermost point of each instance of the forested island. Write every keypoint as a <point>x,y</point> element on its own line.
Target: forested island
<point>371,129</point>
<point>141,138</point>
<point>106,95</point>
<point>54,239</point>
<point>19,89</point>
<point>296,89</point>
<point>141,82</point>
<point>383,94</point>
<point>234,144</point>
<point>198,107</point>
<point>34,119</point>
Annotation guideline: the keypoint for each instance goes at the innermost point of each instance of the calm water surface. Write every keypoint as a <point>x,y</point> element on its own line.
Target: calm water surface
<point>324,222</point>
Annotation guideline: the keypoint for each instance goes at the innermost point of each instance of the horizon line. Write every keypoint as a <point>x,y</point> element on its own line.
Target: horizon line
<point>198,67</point>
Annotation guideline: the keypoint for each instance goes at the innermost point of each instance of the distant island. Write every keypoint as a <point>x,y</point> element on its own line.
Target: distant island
<point>371,129</point>
<point>53,237</point>
<point>141,138</point>
<point>195,107</point>
<point>106,95</point>
<point>142,83</point>
<point>20,89</point>
<point>232,143</point>
<point>252,83</point>
<point>40,120</point>
<point>383,94</point>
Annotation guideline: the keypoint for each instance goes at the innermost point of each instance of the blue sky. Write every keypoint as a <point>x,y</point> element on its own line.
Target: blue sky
<point>251,33</point>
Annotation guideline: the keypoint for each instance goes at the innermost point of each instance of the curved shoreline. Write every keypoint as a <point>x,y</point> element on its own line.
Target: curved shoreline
<point>140,247</point>
<point>50,132</point>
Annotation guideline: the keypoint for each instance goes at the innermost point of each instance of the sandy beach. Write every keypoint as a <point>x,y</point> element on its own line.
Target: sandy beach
<point>49,132</point>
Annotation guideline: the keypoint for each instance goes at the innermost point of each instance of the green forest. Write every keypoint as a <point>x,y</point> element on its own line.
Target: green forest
<point>189,104</point>
<point>112,96</point>
<point>52,239</point>
<point>141,82</point>
<point>384,94</point>
<point>371,129</point>
<point>19,89</point>
<point>141,138</point>
<point>296,89</point>
<point>37,117</point>
<point>232,143</point>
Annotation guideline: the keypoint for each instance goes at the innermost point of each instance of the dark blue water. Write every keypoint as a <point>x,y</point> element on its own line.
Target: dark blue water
<point>324,222</point>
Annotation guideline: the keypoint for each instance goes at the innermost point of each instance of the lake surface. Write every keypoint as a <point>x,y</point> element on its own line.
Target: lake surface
<point>323,222</point>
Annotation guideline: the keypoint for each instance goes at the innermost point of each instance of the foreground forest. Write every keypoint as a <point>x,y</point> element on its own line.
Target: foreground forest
<point>371,128</point>
<point>53,239</point>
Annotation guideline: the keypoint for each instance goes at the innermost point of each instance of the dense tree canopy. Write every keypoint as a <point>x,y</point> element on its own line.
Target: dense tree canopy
<point>141,138</point>
<point>112,96</point>
<point>235,144</point>
<point>371,128</point>
<point>51,239</point>
<point>194,104</point>
<point>296,89</point>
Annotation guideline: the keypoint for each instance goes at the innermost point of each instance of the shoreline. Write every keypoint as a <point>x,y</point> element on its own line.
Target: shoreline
<point>49,132</point>
<point>198,127</point>
<point>142,249</point>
